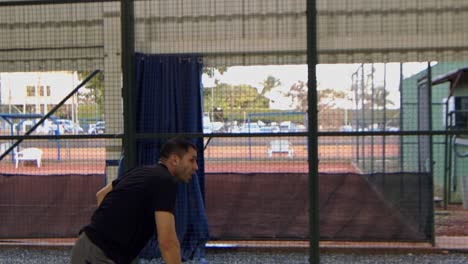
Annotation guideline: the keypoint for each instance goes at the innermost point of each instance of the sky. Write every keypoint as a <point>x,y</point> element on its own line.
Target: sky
<point>329,76</point>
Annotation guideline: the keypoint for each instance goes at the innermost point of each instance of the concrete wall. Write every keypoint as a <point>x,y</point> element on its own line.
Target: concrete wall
<point>70,36</point>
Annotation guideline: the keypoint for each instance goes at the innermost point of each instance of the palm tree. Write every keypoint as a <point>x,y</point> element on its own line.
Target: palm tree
<point>269,84</point>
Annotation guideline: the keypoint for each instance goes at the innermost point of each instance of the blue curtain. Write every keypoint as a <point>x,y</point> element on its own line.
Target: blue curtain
<point>169,100</point>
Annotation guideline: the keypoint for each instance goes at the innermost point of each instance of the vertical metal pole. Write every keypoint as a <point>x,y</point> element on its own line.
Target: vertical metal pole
<point>363,112</point>
<point>401,137</point>
<point>448,156</point>
<point>250,138</point>
<point>128,81</point>
<point>212,97</point>
<point>314,226</point>
<point>402,112</point>
<point>372,118</point>
<point>356,113</point>
<point>430,204</point>
<point>384,125</point>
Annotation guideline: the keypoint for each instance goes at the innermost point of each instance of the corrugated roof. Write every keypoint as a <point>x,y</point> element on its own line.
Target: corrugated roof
<point>450,76</point>
<point>453,77</point>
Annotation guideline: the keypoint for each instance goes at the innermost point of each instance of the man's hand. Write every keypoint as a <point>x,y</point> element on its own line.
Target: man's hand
<point>102,193</point>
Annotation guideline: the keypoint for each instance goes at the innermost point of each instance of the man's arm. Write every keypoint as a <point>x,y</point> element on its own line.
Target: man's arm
<point>167,237</point>
<point>102,193</point>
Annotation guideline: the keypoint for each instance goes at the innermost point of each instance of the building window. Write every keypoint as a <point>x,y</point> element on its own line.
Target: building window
<point>40,90</point>
<point>48,90</point>
<point>30,90</point>
<point>30,109</point>
<point>20,108</point>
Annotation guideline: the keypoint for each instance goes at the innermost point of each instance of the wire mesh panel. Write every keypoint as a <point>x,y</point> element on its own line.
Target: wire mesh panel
<point>48,187</point>
<point>234,76</point>
<point>248,41</point>
<point>59,95</point>
<point>243,46</point>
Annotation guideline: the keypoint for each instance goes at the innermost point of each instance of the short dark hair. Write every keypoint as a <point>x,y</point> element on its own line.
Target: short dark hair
<point>176,145</point>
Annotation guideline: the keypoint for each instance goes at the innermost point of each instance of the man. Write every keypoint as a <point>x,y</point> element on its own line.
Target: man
<point>132,208</point>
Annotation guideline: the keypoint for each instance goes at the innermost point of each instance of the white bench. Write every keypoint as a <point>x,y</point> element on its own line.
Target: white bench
<point>34,154</point>
<point>280,146</point>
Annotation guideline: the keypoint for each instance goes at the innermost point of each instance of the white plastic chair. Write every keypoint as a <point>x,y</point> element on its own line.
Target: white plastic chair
<point>29,154</point>
<point>280,146</point>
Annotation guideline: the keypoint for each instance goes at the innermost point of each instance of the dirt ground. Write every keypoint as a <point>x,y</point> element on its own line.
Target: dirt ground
<point>451,222</point>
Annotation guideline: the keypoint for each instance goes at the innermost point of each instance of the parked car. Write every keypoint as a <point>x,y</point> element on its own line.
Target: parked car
<point>98,128</point>
<point>269,129</point>
<point>252,127</point>
<point>346,128</point>
<point>77,129</point>
<point>69,126</point>
<point>91,128</point>
<point>287,126</point>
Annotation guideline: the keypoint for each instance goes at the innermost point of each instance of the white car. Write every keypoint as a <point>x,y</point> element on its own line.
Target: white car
<point>92,129</point>
<point>69,126</point>
<point>98,128</point>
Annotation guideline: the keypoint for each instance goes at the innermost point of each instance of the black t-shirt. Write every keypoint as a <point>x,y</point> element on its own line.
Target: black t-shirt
<point>124,222</point>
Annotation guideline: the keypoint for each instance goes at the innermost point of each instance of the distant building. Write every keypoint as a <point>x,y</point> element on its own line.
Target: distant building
<point>37,92</point>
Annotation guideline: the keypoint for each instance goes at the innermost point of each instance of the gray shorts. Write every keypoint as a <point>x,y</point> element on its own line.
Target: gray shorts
<point>86,252</point>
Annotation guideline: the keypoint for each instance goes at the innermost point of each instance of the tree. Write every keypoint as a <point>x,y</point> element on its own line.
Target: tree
<point>260,100</point>
<point>371,105</point>
<point>93,92</point>
<point>210,71</point>
<point>234,99</point>
<point>236,96</point>
<point>269,84</point>
<point>326,103</point>
<point>298,94</point>
<point>380,98</point>
<point>327,98</point>
<point>369,97</point>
